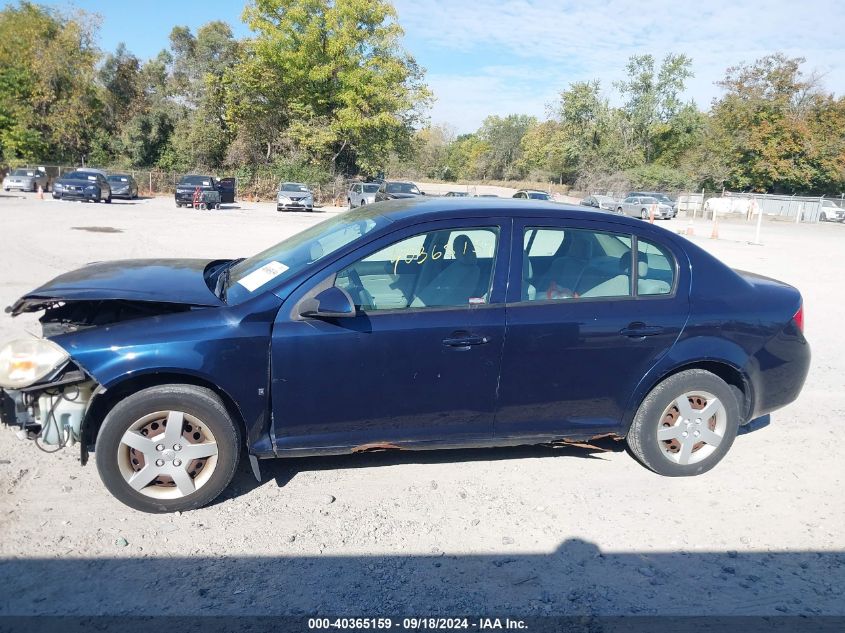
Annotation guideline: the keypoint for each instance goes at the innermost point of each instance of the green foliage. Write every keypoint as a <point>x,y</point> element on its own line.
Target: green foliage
<point>328,78</point>
<point>324,87</point>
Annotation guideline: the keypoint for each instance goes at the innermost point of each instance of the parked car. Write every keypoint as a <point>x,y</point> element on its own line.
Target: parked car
<point>456,194</point>
<point>212,190</point>
<point>123,186</point>
<point>26,180</point>
<point>831,212</point>
<point>417,324</point>
<point>87,185</point>
<point>533,194</point>
<point>662,198</point>
<point>606,203</point>
<point>640,207</point>
<point>361,193</point>
<point>294,196</point>
<point>485,195</point>
<point>397,190</point>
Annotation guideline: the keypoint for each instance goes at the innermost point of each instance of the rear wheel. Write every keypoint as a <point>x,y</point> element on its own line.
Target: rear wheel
<point>643,214</point>
<point>168,448</point>
<point>685,425</point>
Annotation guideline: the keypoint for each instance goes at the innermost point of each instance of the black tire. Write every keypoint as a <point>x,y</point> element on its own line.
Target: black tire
<point>199,402</point>
<point>108,200</point>
<point>643,214</point>
<point>642,436</point>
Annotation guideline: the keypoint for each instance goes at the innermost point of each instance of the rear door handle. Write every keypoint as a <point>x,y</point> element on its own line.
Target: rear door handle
<point>464,341</point>
<point>640,330</point>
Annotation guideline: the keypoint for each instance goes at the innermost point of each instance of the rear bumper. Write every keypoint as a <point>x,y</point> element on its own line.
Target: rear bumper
<point>781,369</point>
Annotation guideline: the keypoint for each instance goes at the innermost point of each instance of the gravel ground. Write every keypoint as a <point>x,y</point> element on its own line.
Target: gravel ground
<point>527,531</point>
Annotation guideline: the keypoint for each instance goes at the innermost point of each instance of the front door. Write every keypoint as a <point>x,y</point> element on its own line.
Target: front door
<point>583,329</point>
<point>420,360</point>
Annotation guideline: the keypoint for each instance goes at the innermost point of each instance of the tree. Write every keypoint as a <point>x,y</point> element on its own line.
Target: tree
<point>652,97</point>
<point>503,135</point>
<point>332,79</point>
<point>779,131</point>
<point>50,105</point>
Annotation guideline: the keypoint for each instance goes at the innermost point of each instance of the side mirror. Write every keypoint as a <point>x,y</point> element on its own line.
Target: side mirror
<point>422,193</point>
<point>331,303</point>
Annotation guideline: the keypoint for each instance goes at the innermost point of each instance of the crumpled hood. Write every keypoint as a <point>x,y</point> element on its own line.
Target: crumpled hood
<point>158,280</point>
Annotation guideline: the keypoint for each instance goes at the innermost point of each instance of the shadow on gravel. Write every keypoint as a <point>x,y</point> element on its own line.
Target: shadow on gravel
<point>576,579</point>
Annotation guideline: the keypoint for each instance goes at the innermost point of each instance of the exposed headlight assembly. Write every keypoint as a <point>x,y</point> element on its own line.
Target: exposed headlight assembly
<point>23,362</point>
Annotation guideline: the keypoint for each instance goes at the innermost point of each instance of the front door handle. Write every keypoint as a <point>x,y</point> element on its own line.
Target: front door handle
<point>640,330</point>
<point>461,340</point>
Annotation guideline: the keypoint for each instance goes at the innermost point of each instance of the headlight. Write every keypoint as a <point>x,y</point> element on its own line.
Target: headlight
<point>283,198</point>
<point>24,362</point>
<point>57,185</point>
<point>91,188</point>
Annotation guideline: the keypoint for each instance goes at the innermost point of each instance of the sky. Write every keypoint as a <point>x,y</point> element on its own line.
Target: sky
<point>505,57</point>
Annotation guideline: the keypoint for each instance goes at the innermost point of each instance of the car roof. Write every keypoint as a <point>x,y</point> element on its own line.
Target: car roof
<point>432,208</point>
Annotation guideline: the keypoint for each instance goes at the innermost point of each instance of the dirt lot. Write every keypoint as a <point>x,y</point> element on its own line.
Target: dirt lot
<point>517,531</point>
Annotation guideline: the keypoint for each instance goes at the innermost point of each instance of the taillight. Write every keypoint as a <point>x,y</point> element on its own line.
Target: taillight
<point>798,317</point>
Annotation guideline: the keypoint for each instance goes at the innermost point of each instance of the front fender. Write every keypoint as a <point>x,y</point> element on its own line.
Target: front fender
<point>226,347</point>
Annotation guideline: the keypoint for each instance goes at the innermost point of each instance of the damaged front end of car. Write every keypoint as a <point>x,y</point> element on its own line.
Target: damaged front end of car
<point>47,392</point>
<point>43,392</point>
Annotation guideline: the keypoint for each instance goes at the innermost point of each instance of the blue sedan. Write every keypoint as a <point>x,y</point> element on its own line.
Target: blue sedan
<point>409,324</point>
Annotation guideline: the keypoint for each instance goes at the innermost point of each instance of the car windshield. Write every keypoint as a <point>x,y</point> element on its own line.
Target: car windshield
<point>401,187</point>
<point>118,178</point>
<point>371,188</point>
<point>538,195</point>
<point>202,181</point>
<point>293,186</point>
<point>80,175</point>
<point>293,255</point>
<point>23,172</point>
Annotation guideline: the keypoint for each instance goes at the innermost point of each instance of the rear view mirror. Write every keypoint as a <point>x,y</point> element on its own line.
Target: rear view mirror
<point>331,303</point>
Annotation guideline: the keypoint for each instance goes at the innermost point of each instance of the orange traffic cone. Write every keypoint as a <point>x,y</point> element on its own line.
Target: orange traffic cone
<point>714,235</point>
<point>40,192</point>
<point>690,228</point>
<point>651,210</point>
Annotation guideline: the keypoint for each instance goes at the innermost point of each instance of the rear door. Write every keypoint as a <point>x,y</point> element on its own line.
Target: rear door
<point>582,331</point>
<point>227,190</point>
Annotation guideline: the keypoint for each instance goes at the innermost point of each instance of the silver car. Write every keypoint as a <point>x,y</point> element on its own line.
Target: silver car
<point>831,212</point>
<point>294,196</point>
<point>361,193</point>
<point>26,179</point>
<point>640,207</point>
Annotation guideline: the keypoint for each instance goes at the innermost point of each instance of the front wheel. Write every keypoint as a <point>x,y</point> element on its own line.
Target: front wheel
<point>643,214</point>
<point>168,448</point>
<point>685,425</point>
<point>108,200</point>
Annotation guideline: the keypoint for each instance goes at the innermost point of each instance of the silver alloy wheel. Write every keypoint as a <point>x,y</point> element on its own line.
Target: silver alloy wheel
<point>167,454</point>
<point>692,427</point>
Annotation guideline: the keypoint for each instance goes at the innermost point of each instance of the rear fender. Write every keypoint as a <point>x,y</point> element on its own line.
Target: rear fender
<point>697,351</point>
